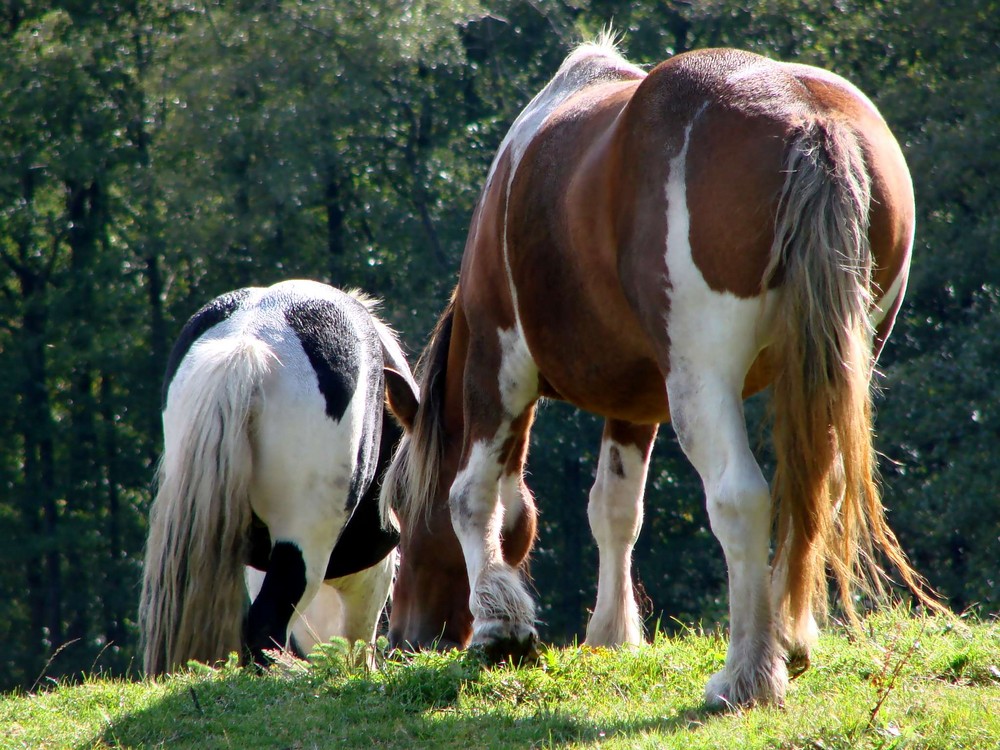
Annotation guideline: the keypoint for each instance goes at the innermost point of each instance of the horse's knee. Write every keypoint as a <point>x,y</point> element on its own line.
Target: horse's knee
<point>472,498</point>
<point>739,511</point>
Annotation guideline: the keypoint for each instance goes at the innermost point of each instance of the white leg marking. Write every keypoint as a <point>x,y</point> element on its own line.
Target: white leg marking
<point>363,596</point>
<point>518,382</point>
<point>511,499</point>
<point>615,513</point>
<point>476,513</point>
<point>714,338</point>
<point>518,377</point>
<point>708,419</point>
<point>501,607</point>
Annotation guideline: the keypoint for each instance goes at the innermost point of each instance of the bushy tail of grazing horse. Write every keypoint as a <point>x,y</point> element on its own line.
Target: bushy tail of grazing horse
<point>193,592</point>
<point>829,512</point>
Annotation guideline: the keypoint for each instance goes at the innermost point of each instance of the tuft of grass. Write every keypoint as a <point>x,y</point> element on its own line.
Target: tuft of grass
<point>904,682</point>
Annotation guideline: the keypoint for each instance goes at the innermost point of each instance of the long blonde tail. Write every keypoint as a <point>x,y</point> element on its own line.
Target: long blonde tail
<point>193,594</point>
<point>826,495</point>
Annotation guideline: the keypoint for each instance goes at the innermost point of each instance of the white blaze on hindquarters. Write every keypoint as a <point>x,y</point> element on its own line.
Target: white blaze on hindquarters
<point>714,338</point>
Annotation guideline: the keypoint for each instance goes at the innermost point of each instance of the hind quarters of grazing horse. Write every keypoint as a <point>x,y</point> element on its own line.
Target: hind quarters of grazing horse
<point>281,406</point>
<point>656,247</point>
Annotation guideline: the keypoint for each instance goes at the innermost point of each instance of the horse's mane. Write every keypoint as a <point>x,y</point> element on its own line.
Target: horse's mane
<point>411,479</point>
<point>599,59</point>
<point>604,44</point>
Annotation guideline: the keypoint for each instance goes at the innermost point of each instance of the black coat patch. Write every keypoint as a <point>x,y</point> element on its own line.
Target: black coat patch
<point>210,315</point>
<point>329,343</point>
<point>267,622</point>
<point>364,542</point>
<point>333,346</point>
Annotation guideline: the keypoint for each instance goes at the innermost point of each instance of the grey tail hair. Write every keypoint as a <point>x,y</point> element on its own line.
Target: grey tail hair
<point>194,597</point>
<point>829,513</point>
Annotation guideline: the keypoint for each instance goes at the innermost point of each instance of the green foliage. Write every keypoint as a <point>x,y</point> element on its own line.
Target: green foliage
<point>155,154</point>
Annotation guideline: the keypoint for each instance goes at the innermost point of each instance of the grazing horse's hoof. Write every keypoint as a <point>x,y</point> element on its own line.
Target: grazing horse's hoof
<point>753,688</point>
<point>499,642</point>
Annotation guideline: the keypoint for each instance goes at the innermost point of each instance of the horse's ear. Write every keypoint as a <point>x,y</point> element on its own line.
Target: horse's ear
<point>401,397</point>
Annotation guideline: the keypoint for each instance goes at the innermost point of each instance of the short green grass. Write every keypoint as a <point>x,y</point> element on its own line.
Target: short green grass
<point>904,682</point>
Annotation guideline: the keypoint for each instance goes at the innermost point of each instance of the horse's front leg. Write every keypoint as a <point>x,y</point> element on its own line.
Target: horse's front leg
<point>615,513</point>
<point>486,495</point>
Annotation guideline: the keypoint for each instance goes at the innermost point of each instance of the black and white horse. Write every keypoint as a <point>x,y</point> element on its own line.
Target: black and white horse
<point>281,407</point>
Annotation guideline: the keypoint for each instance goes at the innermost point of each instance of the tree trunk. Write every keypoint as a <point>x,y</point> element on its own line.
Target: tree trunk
<point>39,507</point>
<point>114,612</point>
<point>87,218</point>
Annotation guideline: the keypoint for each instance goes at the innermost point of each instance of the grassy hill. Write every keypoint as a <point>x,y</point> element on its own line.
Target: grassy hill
<point>902,683</point>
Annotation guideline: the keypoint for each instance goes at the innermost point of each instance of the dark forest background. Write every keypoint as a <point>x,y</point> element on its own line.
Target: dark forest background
<point>155,153</point>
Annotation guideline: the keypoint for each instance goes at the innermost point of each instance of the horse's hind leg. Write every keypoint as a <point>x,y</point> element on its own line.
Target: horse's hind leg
<point>615,513</point>
<point>363,596</point>
<point>321,620</point>
<point>707,414</point>
<point>304,463</point>
<point>281,592</point>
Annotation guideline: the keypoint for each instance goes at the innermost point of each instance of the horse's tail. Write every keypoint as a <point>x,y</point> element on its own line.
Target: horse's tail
<point>412,478</point>
<point>193,592</point>
<point>825,490</point>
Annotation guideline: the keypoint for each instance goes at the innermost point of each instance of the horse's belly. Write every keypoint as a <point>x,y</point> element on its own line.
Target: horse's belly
<point>632,391</point>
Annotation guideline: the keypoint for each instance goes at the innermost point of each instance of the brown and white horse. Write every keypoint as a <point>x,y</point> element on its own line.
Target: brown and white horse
<point>654,247</point>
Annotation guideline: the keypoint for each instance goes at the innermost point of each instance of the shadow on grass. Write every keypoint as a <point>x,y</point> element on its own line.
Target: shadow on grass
<point>413,706</point>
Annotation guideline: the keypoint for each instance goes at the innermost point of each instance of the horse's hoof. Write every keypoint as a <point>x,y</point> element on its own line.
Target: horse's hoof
<point>764,689</point>
<point>500,642</point>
